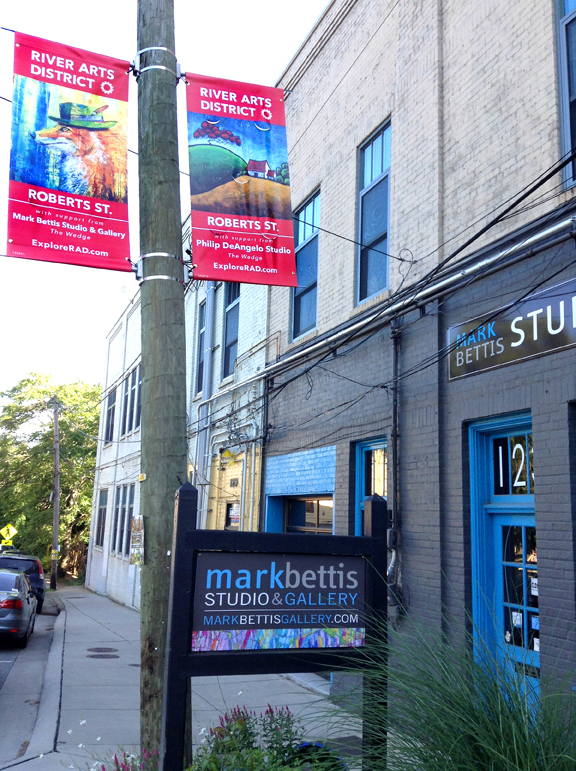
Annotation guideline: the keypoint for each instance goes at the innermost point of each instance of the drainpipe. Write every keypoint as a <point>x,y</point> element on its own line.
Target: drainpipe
<point>253,485</point>
<point>204,408</point>
<point>392,534</point>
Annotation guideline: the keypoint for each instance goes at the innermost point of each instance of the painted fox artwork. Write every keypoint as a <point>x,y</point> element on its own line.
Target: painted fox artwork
<point>93,156</point>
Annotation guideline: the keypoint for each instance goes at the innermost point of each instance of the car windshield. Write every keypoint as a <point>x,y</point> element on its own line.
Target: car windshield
<point>25,566</point>
<point>7,582</point>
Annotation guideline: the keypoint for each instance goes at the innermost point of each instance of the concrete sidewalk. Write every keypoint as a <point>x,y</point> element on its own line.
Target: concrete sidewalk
<point>89,707</point>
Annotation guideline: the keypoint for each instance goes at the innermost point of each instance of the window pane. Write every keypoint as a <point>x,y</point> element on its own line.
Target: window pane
<point>374,212</point>
<point>325,514</point>
<point>200,375</point>
<point>232,324</point>
<point>377,156</point>
<point>367,166</point>
<point>519,457</point>
<point>138,398</point>
<point>373,269</point>
<point>386,148</point>
<point>307,264</point>
<point>569,6</point>
<point>304,311</point>
<point>512,543</point>
<point>232,292</point>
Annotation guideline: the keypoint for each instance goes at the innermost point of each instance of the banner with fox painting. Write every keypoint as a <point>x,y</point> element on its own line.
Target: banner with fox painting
<point>239,182</point>
<point>68,189</point>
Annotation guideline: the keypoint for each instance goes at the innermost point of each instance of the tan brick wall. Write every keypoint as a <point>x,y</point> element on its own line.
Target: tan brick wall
<point>471,91</point>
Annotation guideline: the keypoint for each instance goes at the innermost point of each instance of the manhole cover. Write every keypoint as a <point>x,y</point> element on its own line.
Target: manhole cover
<point>102,656</point>
<point>102,650</point>
<point>133,665</point>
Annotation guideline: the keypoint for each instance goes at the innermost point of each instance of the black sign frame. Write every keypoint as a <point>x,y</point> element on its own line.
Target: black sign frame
<point>181,663</point>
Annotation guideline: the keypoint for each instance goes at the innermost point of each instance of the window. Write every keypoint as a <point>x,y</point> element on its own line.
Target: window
<point>567,15</point>
<point>310,515</point>
<point>131,402</point>
<point>123,513</point>
<point>110,411</point>
<point>138,412</point>
<point>201,329</point>
<point>231,328</point>
<point>373,215</point>
<point>101,520</point>
<point>130,514</point>
<point>116,518</point>
<point>371,476</point>
<point>304,296</point>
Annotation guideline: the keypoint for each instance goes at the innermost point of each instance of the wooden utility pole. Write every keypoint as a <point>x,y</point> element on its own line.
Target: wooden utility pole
<point>56,514</point>
<point>163,342</point>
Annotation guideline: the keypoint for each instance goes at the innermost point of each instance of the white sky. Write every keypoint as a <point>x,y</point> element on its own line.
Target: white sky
<point>54,318</point>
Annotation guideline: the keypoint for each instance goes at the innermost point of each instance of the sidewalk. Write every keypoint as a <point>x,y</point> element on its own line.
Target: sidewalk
<point>91,692</point>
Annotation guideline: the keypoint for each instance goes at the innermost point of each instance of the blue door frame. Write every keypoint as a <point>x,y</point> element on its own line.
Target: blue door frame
<point>503,540</point>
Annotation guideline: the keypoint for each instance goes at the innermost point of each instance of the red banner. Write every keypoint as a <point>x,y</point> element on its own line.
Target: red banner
<point>68,182</point>
<point>239,183</point>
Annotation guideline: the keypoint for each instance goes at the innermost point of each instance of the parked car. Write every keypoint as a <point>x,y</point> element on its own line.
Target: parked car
<point>26,563</point>
<point>17,606</point>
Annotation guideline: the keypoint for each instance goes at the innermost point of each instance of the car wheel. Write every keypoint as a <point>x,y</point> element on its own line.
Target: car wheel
<point>22,642</point>
<point>39,606</point>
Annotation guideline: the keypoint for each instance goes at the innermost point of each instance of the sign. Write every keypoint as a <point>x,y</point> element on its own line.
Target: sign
<point>6,543</point>
<point>54,554</point>
<point>542,323</point>
<point>8,532</point>
<point>239,183</point>
<point>272,601</point>
<point>137,540</point>
<point>68,184</point>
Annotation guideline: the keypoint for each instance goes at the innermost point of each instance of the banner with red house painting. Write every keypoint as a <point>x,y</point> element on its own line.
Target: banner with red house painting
<point>239,183</point>
<point>68,189</point>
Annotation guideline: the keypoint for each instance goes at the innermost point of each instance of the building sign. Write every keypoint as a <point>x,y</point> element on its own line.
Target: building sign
<point>239,183</point>
<point>542,323</point>
<point>275,601</point>
<point>68,189</point>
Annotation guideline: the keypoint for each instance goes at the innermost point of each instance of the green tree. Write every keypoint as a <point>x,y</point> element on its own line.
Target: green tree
<point>27,462</point>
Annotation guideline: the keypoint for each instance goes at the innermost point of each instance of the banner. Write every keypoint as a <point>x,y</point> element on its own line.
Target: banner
<point>68,186</point>
<point>239,183</point>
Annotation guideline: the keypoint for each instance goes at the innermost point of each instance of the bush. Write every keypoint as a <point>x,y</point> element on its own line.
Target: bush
<point>435,705</point>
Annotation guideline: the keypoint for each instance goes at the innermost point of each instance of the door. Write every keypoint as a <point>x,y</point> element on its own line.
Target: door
<point>504,542</point>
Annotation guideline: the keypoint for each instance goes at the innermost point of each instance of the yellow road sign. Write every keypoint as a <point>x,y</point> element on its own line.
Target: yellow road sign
<point>54,554</point>
<point>8,531</point>
<point>6,543</point>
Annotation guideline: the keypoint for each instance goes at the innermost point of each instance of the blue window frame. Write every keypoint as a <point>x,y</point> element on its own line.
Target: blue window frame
<point>231,319</point>
<point>373,214</point>
<point>567,70</point>
<point>504,541</point>
<point>305,295</point>
<point>371,476</point>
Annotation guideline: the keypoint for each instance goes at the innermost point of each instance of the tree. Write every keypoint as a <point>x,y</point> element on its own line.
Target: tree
<point>26,458</point>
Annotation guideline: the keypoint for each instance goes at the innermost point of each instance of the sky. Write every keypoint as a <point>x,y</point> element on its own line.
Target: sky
<point>54,319</point>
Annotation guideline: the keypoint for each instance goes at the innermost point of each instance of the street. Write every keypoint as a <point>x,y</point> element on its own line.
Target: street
<point>21,678</point>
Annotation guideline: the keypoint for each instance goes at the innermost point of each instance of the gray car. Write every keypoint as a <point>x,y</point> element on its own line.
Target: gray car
<point>17,606</point>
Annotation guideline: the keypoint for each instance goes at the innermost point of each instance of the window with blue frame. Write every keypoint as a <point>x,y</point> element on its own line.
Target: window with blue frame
<point>305,295</point>
<point>504,540</point>
<point>231,318</point>
<point>373,205</point>
<point>567,51</point>
<point>371,475</point>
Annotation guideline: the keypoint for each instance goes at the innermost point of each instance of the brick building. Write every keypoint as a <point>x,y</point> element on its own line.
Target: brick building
<point>427,353</point>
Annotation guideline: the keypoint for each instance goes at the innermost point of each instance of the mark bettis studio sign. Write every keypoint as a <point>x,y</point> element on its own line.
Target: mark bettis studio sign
<point>542,323</point>
<point>276,601</point>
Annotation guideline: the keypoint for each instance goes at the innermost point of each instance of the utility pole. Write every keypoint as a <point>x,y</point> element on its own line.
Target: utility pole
<point>164,450</point>
<point>56,514</point>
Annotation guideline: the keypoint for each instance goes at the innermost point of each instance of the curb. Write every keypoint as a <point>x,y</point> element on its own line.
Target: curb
<point>45,732</point>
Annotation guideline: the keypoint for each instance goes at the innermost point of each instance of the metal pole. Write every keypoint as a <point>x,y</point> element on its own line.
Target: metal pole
<point>56,514</point>
<point>163,342</point>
